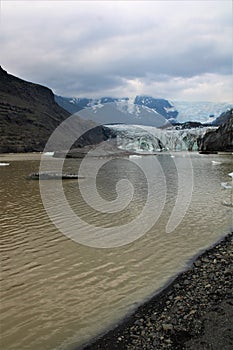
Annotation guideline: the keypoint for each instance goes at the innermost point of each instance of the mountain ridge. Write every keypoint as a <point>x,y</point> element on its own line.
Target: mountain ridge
<point>173,111</point>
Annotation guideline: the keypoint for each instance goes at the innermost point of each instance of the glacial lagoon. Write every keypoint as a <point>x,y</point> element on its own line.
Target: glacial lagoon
<point>57,293</point>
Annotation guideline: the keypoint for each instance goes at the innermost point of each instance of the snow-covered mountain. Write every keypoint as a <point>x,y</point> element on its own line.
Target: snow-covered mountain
<point>143,110</point>
<point>123,112</point>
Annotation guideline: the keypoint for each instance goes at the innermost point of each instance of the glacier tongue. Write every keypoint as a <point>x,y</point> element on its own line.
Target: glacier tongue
<point>147,139</point>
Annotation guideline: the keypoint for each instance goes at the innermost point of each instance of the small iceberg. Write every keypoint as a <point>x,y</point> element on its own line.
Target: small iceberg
<point>227,204</point>
<point>231,175</point>
<point>214,162</point>
<point>135,156</point>
<point>4,164</point>
<point>226,185</point>
<point>50,154</point>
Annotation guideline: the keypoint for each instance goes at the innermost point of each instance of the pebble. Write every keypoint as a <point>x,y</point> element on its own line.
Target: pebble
<point>167,327</point>
<point>154,317</point>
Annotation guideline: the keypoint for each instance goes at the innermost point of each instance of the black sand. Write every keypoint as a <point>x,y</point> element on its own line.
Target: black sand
<point>195,312</point>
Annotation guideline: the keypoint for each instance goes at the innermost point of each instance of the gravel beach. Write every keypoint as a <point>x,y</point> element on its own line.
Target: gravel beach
<point>194,312</point>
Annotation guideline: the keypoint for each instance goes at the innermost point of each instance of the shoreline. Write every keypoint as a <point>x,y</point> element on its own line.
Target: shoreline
<point>193,311</point>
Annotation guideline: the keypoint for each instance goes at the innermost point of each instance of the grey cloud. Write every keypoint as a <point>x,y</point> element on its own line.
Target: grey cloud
<point>98,46</point>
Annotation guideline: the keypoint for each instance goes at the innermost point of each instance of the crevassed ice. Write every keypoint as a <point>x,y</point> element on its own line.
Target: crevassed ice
<point>151,139</point>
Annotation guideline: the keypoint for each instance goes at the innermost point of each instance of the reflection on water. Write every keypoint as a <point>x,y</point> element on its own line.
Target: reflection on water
<point>57,294</point>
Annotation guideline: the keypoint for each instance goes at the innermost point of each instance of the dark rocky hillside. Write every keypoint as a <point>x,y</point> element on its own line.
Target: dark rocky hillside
<point>29,114</point>
<point>223,118</point>
<point>220,139</point>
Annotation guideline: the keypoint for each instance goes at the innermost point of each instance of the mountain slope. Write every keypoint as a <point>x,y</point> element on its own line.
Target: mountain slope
<point>223,118</point>
<point>28,115</point>
<point>161,106</point>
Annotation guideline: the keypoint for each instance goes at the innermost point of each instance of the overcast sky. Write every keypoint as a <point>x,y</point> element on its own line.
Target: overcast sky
<point>180,50</point>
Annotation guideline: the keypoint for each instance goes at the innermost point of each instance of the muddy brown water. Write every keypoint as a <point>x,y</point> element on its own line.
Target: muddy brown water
<point>57,293</point>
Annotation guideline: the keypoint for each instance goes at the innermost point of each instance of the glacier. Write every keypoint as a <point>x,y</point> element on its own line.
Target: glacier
<point>203,112</point>
<point>147,139</point>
